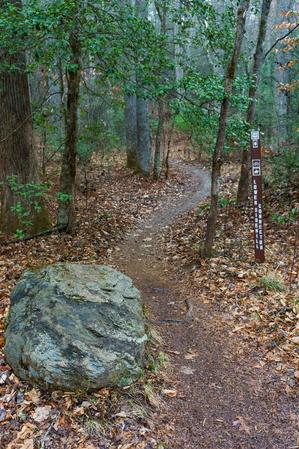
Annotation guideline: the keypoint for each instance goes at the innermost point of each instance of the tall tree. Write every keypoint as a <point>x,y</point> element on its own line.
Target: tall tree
<point>162,9</point>
<point>17,157</point>
<point>66,214</point>
<point>131,129</point>
<point>218,152</point>
<point>142,110</point>
<point>243,186</point>
<point>130,108</point>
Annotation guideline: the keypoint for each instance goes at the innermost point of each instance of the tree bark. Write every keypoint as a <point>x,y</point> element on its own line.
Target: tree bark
<point>130,111</point>
<point>218,152</point>
<point>243,187</point>
<point>131,130</point>
<point>66,209</point>
<point>142,112</point>
<point>158,143</point>
<point>17,156</point>
<point>162,10</point>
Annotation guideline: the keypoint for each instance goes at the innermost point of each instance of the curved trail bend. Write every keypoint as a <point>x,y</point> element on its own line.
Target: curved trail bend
<point>224,400</point>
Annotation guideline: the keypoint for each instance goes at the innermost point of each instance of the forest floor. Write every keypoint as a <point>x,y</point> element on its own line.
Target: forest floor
<point>224,375</point>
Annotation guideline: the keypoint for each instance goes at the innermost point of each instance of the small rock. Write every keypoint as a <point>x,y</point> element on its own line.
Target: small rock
<point>2,414</point>
<point>3,378</point>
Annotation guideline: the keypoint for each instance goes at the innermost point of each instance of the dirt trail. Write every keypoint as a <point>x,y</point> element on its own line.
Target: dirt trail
<point>225,399</point>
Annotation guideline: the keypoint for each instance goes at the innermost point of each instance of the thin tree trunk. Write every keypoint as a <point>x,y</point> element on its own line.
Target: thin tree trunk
<point>169,149</point>
<point>158,143</point>
<point>243,187</point>
<point>218,152</point>
<point>17,156</point>
<point>162,10</point>
<point>44,133</point>
<point>66,209</point>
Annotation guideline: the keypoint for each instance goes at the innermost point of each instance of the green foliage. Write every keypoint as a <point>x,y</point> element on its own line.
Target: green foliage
<point>156,362</point>
<point>285,166</point>
<point>63,197</point>
<point>273,282</point>
<point>224,202</point>
<point>29,199</point>
<point>199,117</point>
<point>202,209</point>
<point>20,234</point>
<point>286,217</point>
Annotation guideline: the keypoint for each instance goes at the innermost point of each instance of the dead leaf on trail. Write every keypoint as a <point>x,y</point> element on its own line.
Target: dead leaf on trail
<point>187,370</point>
<point>24,436</point>
<point>41,413</point>
<point>243,426</point>
<point>295,340</point>
<point>27,444</point>
<point>89,446</point>
<point>170,393</point>
<point>33,396</point>
<point>191,355</point>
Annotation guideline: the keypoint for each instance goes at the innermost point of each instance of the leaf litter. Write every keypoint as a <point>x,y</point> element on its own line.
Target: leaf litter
<point>260,302</point>
<point>116,419</point>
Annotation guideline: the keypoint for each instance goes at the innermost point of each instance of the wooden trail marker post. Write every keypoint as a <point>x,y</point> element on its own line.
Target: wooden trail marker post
<point>257,190</point>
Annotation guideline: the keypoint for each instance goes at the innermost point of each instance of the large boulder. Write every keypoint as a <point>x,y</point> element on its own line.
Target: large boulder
<point>75,327</point>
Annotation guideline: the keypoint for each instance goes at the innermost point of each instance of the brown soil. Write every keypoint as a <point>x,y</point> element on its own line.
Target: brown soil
<point>225,397</point>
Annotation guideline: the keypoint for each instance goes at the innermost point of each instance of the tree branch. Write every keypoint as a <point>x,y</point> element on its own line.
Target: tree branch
<point>281,39</point>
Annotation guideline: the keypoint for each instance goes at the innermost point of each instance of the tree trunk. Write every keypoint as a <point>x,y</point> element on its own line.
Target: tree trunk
<point>143,137</point>
<point>218,152</point>
<point>17,157</point>
<point>243,187</point>
<point>162,10</point>
<point>131,130</point>
<point>130,111</point>
<point>66,209</point>
<point>158,143</point>
<point>142,112</point>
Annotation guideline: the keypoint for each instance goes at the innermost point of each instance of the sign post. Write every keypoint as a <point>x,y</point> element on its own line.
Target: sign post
<point>257,189</point>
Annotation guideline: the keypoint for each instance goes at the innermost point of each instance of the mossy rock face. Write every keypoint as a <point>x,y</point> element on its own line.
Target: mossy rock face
<point>75,328</point>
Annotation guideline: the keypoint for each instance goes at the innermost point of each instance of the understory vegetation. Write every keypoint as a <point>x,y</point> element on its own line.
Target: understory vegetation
<point>103,105</point>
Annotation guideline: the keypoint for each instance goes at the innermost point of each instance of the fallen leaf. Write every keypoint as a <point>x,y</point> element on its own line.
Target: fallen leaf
<point>27,444</point>
<point>33,396</point>
<point>187,370</point>
<point>191,355</point>
<point>240,421</point>
<point>41,413</point>
<point>170,393</point>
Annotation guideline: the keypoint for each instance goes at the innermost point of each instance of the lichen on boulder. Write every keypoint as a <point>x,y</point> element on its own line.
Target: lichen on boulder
<point>75,328</point>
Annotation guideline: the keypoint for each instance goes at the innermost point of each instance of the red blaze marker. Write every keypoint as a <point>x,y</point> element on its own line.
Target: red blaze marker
<point>257,190</point>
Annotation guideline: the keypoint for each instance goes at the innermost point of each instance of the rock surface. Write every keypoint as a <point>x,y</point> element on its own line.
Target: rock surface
<point>75,327</point>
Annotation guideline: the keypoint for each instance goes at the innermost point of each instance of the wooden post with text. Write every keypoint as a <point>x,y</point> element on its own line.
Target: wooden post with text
<point>257,190</point>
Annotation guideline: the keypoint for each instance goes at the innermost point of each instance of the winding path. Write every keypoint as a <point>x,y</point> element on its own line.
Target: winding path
<point>225,399</point>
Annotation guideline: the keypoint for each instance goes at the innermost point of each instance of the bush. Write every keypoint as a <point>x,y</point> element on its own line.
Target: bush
<point>285,167</point>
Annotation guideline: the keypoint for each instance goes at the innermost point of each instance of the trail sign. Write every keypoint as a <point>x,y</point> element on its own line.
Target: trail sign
<point>257,190</point>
